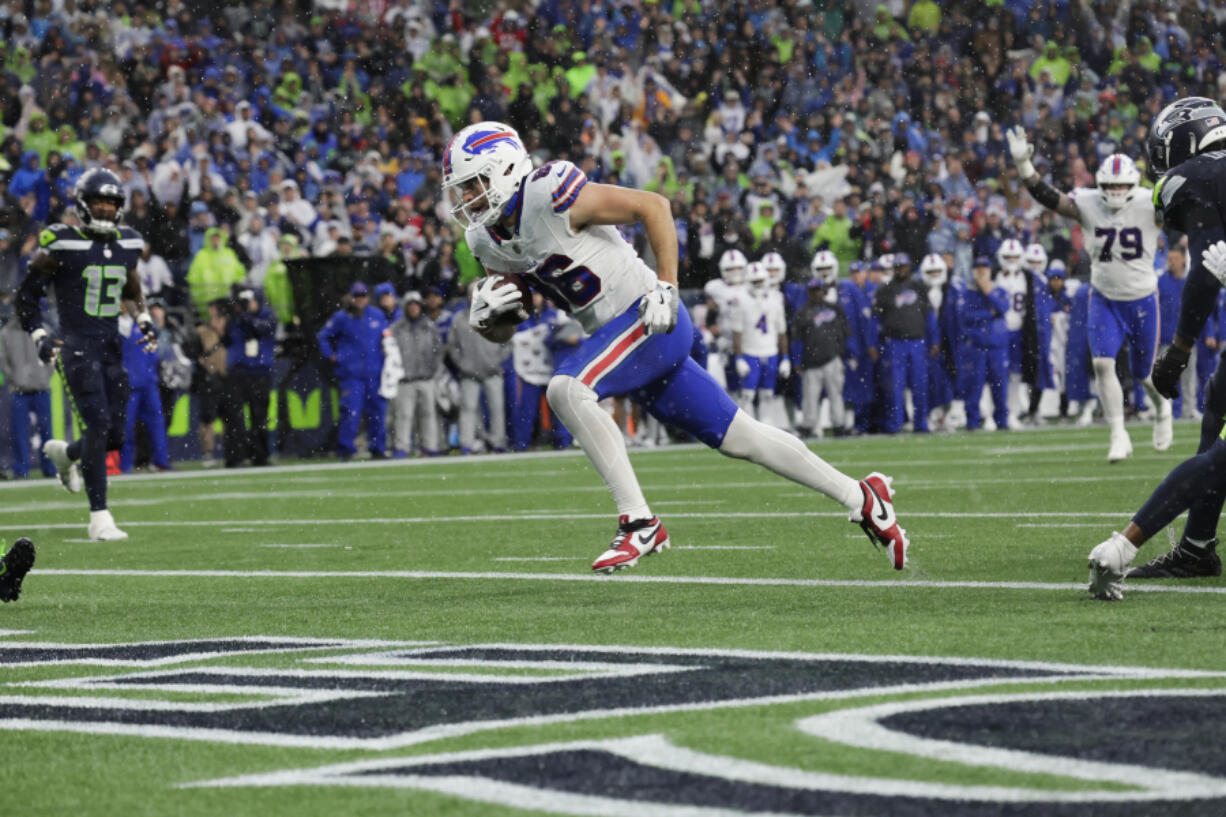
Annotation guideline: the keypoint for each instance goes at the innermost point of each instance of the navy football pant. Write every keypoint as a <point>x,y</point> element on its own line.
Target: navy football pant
<point>98,384</point>
<point>1202,499</point>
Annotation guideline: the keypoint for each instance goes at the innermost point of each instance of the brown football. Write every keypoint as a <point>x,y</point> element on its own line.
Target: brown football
<point>525,297</point>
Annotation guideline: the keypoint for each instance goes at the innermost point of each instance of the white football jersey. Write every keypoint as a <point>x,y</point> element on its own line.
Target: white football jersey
<point>936,296</point>
<point>1121,244</point>
<point>594,272</point>
<point>1015,285</point>
<point>728,298</point>
<point>760,320</point>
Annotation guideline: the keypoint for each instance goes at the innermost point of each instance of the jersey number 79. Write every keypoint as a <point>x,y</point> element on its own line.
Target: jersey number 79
<point>1130,243</point>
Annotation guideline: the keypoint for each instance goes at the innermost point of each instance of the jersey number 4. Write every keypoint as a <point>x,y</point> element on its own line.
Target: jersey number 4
<point>1130,243</point>
<point>103,288</point>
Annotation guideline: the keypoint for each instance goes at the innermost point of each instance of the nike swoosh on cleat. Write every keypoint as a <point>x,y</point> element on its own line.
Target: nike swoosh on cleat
<point>883,515</point>
<point>648,540</point>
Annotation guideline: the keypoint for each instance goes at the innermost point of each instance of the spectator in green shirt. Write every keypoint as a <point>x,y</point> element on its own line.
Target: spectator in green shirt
<point>839,235</point>
<point>762,225</point>
<point>214,268</point>
<point>580,74</point>
<point>924,18</point>
<point>1054,63</point>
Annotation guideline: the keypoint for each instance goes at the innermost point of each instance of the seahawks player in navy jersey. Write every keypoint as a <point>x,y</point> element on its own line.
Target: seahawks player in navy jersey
<point>1187,155</point>
<point>92,270</point>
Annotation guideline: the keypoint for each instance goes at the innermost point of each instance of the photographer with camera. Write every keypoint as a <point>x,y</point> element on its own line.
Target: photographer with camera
<point>250,342</point>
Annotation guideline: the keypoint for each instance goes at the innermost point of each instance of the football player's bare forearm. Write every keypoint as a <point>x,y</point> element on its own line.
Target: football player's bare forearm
<point>662,236</point>
<point>133,296</point>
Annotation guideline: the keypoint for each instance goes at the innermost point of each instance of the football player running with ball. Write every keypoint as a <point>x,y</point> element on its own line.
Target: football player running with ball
<point>1187,156</point>
<point>92,269</point>
<point>560,230</point>
<point>1122,228</point>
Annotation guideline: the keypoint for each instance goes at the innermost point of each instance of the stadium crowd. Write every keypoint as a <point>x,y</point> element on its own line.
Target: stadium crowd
<point>862,144</point>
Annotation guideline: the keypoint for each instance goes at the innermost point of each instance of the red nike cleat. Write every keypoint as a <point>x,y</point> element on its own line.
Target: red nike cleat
<point>876,517</point>
<point>634,540</point>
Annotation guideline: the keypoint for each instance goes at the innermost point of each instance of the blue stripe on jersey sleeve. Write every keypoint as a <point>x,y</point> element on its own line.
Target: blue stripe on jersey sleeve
<point>570,178</point>
<point>563,206</point>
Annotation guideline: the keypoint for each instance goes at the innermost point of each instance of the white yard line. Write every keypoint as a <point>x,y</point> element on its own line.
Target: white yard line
<point>724,547</point>
<point>299,546</point>
<point>1120,515</point>
<point>633,579</point>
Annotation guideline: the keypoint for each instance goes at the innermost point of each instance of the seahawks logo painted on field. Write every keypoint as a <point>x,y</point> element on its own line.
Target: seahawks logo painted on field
<point>1086,749</point>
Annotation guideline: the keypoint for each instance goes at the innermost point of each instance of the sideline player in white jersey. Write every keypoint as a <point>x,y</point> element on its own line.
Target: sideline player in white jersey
<point>1013,278</point>
<point>558,229</point>
<point>726,292</point>
<point>1122,233</point>
<point>776,272</point>
<point>760,344</point>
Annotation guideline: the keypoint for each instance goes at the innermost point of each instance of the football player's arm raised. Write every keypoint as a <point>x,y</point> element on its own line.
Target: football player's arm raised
<point>1046,195</point>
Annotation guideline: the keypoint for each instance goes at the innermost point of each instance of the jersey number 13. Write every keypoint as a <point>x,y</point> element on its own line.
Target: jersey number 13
<point>103,288</point>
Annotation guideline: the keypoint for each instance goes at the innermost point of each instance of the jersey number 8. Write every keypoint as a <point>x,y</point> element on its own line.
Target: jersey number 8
<point>102,293</point>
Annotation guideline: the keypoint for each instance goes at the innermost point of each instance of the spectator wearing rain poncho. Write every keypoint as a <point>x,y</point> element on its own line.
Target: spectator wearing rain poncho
<point>214,268</point>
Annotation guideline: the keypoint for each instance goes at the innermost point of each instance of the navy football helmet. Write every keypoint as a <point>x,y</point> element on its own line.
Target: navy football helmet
<point>1185,128</point>
<point>95,185</point>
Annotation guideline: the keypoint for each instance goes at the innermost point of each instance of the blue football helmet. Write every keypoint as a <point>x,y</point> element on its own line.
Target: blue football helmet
<point>94,185</point>
<point>1187,127</point>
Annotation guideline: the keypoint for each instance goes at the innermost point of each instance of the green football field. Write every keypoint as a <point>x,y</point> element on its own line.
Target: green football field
<point>426,638</point>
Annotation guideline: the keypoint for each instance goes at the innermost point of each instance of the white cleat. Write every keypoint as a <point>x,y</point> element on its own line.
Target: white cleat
<point>102,527</point>
<point>1108,564</point>
<point>1164,431</point>
<point>70,473</point>
<point>1120,448</point>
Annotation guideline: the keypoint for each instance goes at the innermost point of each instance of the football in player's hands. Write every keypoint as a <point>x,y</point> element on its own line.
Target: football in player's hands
<point>524,300</point>
<point>499,304</point>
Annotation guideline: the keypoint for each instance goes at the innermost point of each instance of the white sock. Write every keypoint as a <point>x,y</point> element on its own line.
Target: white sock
<point>601,440</point>
<point>98,517</point>
<point>744,399</point>
<point>749,439</point>
<point>1162,406</point>
<point>1110,393</point>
